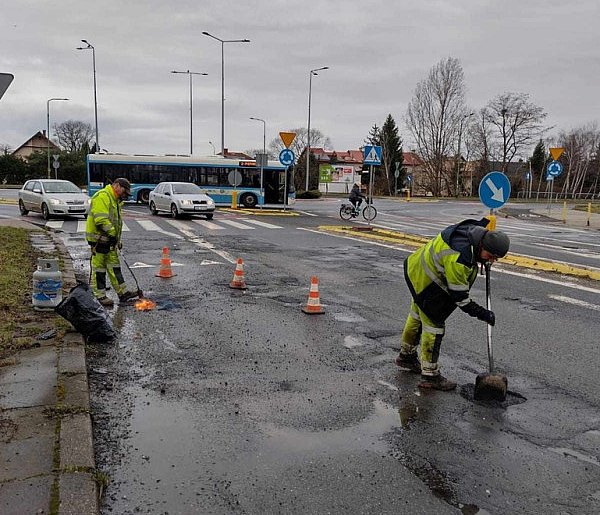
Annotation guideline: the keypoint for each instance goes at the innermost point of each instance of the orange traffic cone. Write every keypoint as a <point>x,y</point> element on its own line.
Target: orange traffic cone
<point>238,276</point>
<point>313,305</point>
<point>165,265</point>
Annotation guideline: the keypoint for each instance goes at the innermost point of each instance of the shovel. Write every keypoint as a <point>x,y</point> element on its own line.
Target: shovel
<point>490,386</point>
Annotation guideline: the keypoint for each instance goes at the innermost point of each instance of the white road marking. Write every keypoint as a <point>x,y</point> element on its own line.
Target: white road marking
<point>236,224</point>
<point>125,228</point>
<point>307,213</point>
<point>55,224</point>
<point>196,240</point>
<point>576,302</point>
<point>209,225</point>
<point>262,224</point>
<point>81,225</point>
<point>497,268</point>
<point>148,225</point>
<point>566,251</point>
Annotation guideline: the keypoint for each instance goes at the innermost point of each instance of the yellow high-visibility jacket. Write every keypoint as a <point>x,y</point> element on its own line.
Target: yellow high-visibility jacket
<point>104,220</point>
<point>440,274</point>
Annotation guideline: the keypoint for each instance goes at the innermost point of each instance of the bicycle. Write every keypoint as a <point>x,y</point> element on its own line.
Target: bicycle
<point>347,211</point>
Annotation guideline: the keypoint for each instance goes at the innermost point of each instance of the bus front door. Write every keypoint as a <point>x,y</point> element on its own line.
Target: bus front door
<point>271,185</point>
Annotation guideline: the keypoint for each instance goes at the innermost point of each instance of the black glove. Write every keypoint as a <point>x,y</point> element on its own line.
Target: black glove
<point>112,241</point>
<point>475,310</point>
<point>488,316</point>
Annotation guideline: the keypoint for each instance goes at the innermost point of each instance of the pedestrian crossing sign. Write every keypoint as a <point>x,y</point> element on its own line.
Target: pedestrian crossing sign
<point>372,155</point>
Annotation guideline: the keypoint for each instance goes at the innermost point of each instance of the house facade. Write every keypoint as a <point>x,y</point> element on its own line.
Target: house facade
<point>37,143</point>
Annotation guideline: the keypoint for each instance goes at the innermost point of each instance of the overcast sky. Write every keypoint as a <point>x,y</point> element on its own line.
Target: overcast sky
<point>377,51</point>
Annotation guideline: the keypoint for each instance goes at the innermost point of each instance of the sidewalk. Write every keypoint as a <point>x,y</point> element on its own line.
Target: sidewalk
<point>47,454</point>
<point>556,214</point>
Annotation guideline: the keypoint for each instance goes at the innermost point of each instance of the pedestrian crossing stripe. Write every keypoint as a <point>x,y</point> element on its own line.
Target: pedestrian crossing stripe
<point>149,225</point>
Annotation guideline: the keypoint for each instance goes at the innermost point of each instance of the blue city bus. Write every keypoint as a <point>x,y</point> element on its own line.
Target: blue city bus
<point>216,175</point>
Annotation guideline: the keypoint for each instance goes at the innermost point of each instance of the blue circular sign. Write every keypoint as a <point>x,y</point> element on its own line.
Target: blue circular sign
<point>494,190</point>
<point>554,169</point>
<point>286,157</point>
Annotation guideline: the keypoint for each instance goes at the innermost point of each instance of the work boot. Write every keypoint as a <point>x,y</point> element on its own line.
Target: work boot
<point>105,301</point>
<point>409,362</point>
<point>438,382</point>
<point>128,295</point>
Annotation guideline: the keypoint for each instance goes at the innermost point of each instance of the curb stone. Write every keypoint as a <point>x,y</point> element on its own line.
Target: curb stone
<point>47,463</point>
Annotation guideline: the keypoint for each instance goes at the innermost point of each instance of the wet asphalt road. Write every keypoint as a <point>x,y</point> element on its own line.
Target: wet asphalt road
<point>224,401</point>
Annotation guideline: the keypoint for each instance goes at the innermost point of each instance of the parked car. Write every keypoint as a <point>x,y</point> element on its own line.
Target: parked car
<point>53,197</point>
<point>180,198</point>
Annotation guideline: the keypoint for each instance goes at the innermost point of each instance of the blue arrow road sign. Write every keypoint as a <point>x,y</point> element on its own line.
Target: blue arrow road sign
<point>286,157</point>
<point>372,155</point>
<point>494,190</point>
<point>554,168</point>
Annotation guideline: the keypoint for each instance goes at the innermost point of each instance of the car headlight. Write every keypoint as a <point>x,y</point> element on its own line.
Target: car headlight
<point>89,201</point>
<point>54,201</point>
<point>211,202</point>
<point>186,202</point>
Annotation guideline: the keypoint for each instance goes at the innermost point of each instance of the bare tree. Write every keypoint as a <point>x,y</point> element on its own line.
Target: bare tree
<point>580,146</point>
<point>317,139</point>
<point>517,122</point>
<point>74,135</point>
<point>433,118</point>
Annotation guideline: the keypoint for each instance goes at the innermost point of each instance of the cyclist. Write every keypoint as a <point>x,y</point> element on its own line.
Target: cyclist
<point>356,198</point>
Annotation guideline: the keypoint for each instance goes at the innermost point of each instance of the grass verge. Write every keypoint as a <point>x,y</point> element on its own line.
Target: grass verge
<point>17,263</point>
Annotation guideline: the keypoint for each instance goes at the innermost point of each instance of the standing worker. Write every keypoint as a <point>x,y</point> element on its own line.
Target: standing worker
<point>439,276</point>
<point>103,232</point>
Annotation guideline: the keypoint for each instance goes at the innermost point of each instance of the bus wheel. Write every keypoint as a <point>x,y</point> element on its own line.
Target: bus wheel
<point>249,200</point>
<point>143,196</point>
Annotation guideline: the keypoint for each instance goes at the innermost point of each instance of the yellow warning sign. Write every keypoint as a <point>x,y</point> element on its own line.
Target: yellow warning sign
<point>287,138</point>
<point>556,152</point>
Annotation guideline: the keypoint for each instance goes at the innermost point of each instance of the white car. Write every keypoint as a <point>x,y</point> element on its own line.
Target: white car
<point>53,197</point>
<point>179,198</point>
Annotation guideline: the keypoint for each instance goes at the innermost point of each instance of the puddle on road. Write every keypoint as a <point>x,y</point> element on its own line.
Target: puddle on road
<point>512,398</point>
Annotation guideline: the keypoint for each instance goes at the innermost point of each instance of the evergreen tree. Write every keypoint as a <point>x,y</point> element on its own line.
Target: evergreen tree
<point>538,160</point>
<point>391,154</point>
<point>374,136</point>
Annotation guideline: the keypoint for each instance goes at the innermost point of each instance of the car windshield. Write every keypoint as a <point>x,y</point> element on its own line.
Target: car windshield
<point>61,187</point>
<point>186,189</point>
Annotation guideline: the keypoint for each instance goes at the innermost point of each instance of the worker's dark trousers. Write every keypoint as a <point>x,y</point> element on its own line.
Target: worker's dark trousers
<point>419,327</point>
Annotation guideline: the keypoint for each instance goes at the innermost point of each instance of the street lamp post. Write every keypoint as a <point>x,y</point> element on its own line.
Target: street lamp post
<point>460,129</point>
<point>223,41</point>
<point>91,47</point>
<point>188,72</point>
<point>48,128</point>
<point>307,156</point>
<point>264,150</point>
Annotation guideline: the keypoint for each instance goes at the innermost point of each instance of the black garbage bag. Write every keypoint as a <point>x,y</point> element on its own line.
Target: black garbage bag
<point>87,315</point>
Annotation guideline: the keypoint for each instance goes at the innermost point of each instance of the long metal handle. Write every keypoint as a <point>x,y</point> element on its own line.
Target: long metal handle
<point>488,302</point>
<point>131,272</point>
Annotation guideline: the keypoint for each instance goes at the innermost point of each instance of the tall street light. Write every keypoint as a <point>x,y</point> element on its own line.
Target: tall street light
<point>460,129</point>
<point>48,128</point>
<point>312,72</point>
<point>191,106</point>
<point>223,41</point>
<point>264,150</point>
<point>91,47</point>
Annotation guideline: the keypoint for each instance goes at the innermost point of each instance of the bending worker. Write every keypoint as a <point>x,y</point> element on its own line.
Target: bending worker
<point>439,276</point>
<point>103,232</point>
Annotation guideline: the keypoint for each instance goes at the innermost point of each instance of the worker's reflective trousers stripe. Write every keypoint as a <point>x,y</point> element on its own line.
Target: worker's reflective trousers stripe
<point>103,264</point>
<point>419,327</point>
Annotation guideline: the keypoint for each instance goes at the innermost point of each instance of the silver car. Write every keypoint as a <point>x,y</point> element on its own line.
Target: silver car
<point>179,198</point>
<point>53,197</point>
